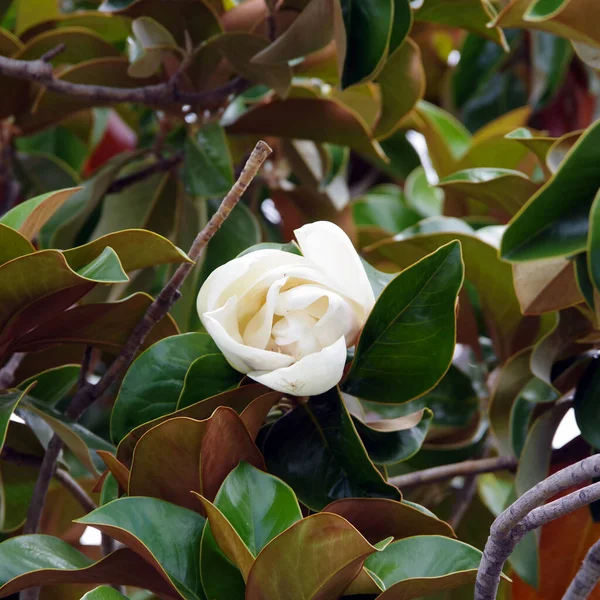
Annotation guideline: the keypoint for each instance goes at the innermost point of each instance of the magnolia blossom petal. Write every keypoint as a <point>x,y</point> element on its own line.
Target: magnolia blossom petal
<point>327,246</point>
<point>258,331</point>
<point>313,374</point>
<point>222,326</point>
<point>239,275</point>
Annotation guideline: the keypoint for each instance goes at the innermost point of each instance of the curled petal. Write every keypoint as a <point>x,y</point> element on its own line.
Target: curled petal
<point>327,246</point>
<point>222,326</point>
<point>313,374</point>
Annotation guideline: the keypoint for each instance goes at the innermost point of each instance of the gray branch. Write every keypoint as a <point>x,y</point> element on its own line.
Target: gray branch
<point>587,577</point>
<point>527,514</point>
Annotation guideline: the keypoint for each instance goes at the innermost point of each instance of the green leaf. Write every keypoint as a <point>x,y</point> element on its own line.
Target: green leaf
<point>368,32</point>
<point>385,207</point>
<point>170,534</point>
<point>540,10</point>
<point>555,220</point>
<point>29,216</point>
<point>586,405</point>
<point>109,491</point>
<point>425,199</point>
<point>221,579</point>
<point>551,56</point>
<point>472,15</point>
<point>8,404</point>
<point>207,168</point>
<point>422,565</point>
<point>13,244</point>
<point>390,441</point>
<point>340,466</point>
<point>378,279</point>
<point>593,244</point>
<point>28,560</point>
<point>500,189</point>
<point>258,505</point>
<point>284,569</point>
<point>239,231</point>
<point>152,386</point>
<point>415,315</point>
<point>104,593</point>
<point>106,267</point>
<point>53,385</point>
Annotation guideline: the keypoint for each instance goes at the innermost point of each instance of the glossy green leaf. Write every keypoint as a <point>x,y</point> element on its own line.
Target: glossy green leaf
<point>13,244</point>
<point>258,505</point>
<point>416,314</point>
<point>491,277</point>
<point>221,579</point>
<point>389,441</point>
<point>284,569</point>
<point>8,403</point>
<point>422,565</point>
<point>240,231</point>
<point>152,386</point>
<point>555,220</point>
<point>339,466</point>
<point>52,386</point>
<point>472,15</point>
<point>544,9</point>
<point>586,405</point>
<point>500,189</point>
<point>402,85</point>
<point>104,593</point>
<point>109,491</point>
<point>168,535</point>
<point>593,243</point>
<point>33,560</point>
<point>106,267</point>
<point>551,56</point>
<point>29,216</point>
<point>207,168</point>
<point>368,32</point>
<point>534,463</point>
<point>421,196</point>
<point>384,207</point>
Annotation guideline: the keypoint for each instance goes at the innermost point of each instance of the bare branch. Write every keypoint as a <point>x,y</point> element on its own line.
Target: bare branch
<point>76,490</point>
<point>463,500</point>
<point>527,514</point>
<point>161,94</point>
<point>445,472</point>
<point>88,393</point>
<point>587,577</point>
<point>7,373</point>
<point>160,166</point>
<point>53,53</point>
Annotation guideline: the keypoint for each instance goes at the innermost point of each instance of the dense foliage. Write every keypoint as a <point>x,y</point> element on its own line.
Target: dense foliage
<point>453,141</point>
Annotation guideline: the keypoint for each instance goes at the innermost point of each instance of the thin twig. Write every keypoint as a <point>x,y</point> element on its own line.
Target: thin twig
<point>53,53</point>
<point>88,393</point>
<point>76,490</point>
<point>445,472</point>
<point>8,371</point>
<point>527,514</point>
<point>272,6</point>
<point>160,166</point>
<point>160,94</point>
<point>587,577</point>
<point>18,458</point>
<point>85,367</point>
<point>463,500</point>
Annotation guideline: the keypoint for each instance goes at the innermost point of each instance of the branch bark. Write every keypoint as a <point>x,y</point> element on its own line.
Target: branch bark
<point>160,166</point>
<point>88,393</point>
<point>587,577</point>
<point>75,489</point>
<point>445,472</point>
<point>7,373</point>
<point>527,513</point>
<point>161,94</point>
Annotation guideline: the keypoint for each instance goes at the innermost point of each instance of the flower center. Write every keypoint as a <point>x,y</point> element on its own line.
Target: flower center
<point>301,320</point>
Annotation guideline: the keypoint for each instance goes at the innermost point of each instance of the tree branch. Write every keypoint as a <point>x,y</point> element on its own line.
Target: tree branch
<point>161,94</point>
<point>527,514</point>
<point>160,166</point>
<point>7,372</point>
<point>88,393</point>
<point>445,472</point>
<point>76,490</point>
<point>587,577</point>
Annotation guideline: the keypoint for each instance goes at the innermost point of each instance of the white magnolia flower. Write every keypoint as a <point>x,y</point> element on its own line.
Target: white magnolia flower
<point>286,320</point>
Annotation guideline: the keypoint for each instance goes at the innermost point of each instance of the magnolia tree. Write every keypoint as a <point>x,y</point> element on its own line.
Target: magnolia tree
<point>294,297</point>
